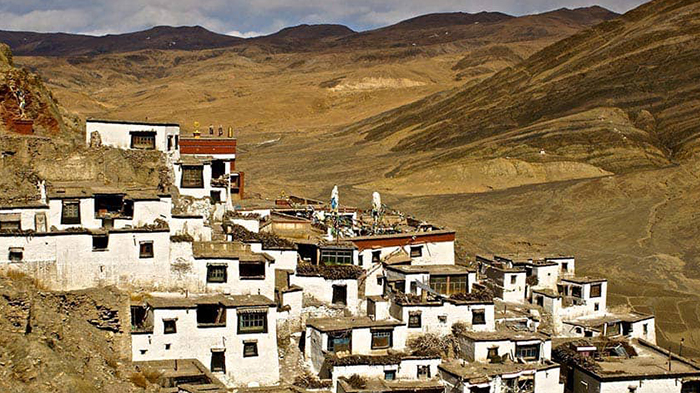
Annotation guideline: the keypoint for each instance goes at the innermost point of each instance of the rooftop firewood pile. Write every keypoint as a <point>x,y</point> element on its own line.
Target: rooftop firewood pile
<point>268,240</point>
<point>330,272</point>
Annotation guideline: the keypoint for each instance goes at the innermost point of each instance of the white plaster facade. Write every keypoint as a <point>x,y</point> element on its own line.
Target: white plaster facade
<point>118,134</point>
<point>406,370</point>
<point>322,290</point>
<point>438,319</point>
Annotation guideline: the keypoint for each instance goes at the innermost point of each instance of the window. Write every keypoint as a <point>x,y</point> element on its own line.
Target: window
<point>513,279</point>
<point>565,266</point>
<point>216,273</point>
<point>439,284</point>
<point>690,387</point>
<point>415,319</point>
<point>576,292</point>
<point>167,347</point>
<point>169,326</point>
<point>527,352</point>
<point>16,254</point>
<point>113,205</point>
<point>457,284</point>
<point>146,249</point>
<point>215,196</point>
<point>218,362</point>
<point>340,341</point>
<point>252,270</point>
<point>376,256</point>
<point>382,339</point>
<point>100,242</point>
<point>379,279</point>
<point>336,257</point>
<point>645,328</point>
<point>70,214</point>
<point>250,348</point>
<point>143,140</point>
<point>340,295</point>
<point>416,251</point>
<point>596,290</point>
<point>423,372</point>
<point>211,315</point>
<point>414,287</point>
<point>192,177</point>
<point>442,319</point>
<point>596,307</point>
<point>252,322</point>
<point>10,222</point>
<point>632,389</point>
<point>478,317</point>
<point>389,375</point>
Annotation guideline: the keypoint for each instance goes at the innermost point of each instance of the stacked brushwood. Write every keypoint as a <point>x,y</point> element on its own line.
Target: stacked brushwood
<point>480,294</point>
<point>268,240</point>
<point>368,360</point>
<point>330,272</point>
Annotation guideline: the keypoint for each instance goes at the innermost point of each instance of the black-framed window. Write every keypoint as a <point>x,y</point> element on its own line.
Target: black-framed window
<point>16,254</point>
<point>416,251</point>
<point>376,256</point>
<point>513,279</point>
<point>492,353</point>
<point>340,341</point>
<point>70,212</point>
<point>211,315</point>
<point>334,256</point>
<point>250,349</point>
<point>415,319</point>
<point>528,352</point>
<point>340,295</point>
<point>100,242</point>
<point>10,222</point>
<point>169,326</point>
<point>217,273</point>
<point>382,339</point>
<point>252,322</point>
<point>146,249</point>
<point>423,371</point>
<point>389,375</point>
<point>192,176</point>
<point>479,317</point>
<point>252,270</point>
<point>596,290</point>
<point>143,140</point>
<point>218,362</point>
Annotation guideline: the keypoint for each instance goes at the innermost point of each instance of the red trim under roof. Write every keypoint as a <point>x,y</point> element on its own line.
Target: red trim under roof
<point>207,146</point>
<point>405,239</point>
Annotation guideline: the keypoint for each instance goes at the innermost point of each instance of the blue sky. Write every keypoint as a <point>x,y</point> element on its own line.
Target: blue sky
<point>250,17</point>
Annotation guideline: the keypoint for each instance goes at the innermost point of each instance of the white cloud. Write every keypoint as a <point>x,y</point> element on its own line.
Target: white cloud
<point>247,34</point>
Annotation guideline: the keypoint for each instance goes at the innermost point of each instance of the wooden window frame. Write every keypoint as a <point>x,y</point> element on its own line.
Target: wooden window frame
<point>187,179</point>
<point>252,323</point>
<point>217,278</point>
<point>242,264</point>
<point>143,140</point>
<point>72,219</point>
<point>389,334</point>
<point>169,326</point>
<point>415,319</point>
<point>416,251</point>
<point>482,313</point>
<point>250,349</point>
<point>146,250</point>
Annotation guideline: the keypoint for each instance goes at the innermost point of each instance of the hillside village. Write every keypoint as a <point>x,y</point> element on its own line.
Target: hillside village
<point>230,292</point>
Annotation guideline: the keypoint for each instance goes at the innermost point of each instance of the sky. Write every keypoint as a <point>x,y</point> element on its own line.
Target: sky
<point>246,18</point>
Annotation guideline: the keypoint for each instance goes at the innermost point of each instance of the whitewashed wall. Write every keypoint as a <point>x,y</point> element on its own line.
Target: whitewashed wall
<point>27,216</point>
<point>407,370</point>
<point>438,253</point>
<point>118,135</point>
<point>195,227</point>
<point>322,290</point>
<point>453,313</point>
<point>145,212</point>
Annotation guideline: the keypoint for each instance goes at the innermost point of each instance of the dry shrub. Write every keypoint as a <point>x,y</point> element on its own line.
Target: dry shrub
<point>357,381</point>
<point>139,380</point>
<point>152,375</point>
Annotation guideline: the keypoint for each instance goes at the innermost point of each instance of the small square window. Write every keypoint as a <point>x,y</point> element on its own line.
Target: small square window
<point>376,256</point>
<point>492,353</point>
<point>478,317</point>
<point>424,372</point>
<point>513,279</point>
<point>414,320</point>
<point>167,347</point>
<point>250,349</point>
<point>389,375</point>
<point>100,242</point>
<point>143,351</point>
<point>596,290</point>
<point>146,249</point>
<point>169,326</point>
<point>416,251</point>
<point>16,254</point>
<point>442,319</point>
<point>216,273</point>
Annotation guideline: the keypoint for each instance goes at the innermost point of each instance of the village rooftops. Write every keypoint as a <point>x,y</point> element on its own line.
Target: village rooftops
<point>439,270</point>
<point>596,321</point>
<point>194,159</point>
<point>272,389</point>
<point>229,301</point>
<point>376,385</point>
<point>404,234</point>
<point>136,123</point>
<point>190,375</point>
<point>503,334</point>
<point>583,280</point>
<point>479,372</point>
<point>531,259</point>
<point>633,360</point>
<point>392,357</point>
<point>81,189</point>
<point>228,250</point>
<point>347,323</point>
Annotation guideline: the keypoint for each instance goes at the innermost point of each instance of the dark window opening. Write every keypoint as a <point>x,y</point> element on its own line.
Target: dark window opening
<point>492,353</point>
<point>169,326</point>
<point>414,287</point>
<point>216,273</point>
<point>540,301</point>
<point>596,290</point>
<point>252,322</point>
<point>449,285</point>
<point>442,319</point>
<point>513,279</point>
<point>177,142</point>
<point>146,249</point>
<point>250,349</point>
<point>10,222</point>
<point>170,142</point>
<point>389,375</point>
<point>113,205</point>
<point>140,319</point>
<point>340,295</point>
<point>565,266</point>
<point>218,362</point>
<point>252,270</point>
<point>340,342</point>
<point>16,254</point>
<point>192,177</point>
<point>143,140</point>
<point>416,251</point>
<point>415,319</point>
<point>100,242</point>
<point>376,256</point>
<point>423,372</point>
<point>215,196</point>
<point>576,292</point>
<point>527,352</point>
<point>70,214</point>
<point>218,169</point>
<point>478,317</point>
<point>211,315</point>
<point>690,387</point>
<point>382,339</point>
<point>596,307</point>
<point>336,257</point>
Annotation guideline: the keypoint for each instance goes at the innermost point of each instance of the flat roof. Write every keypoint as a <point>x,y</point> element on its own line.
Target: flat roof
<point>403,234</point>
<point>504,335</point>
<point>591,322</point>
<point>584,279</point>
<point>88,189</point>
<point>346,323</point>
<point>431,269</point>
<point>130,122</point>
<point>480,372</point>
<point>228,301</point>
<point>381,385</point>
<point>228,250</point>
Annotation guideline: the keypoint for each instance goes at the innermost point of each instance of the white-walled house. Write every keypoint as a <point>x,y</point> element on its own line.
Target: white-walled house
<point>435,247</point>
<point>350,336</point>
<point>398,367</point>
<point>439,315</point>
<point>612,325</point>
<point>384,385</point>
<point>460,376</point>
<point>529,347</point>
<point>235,337</point>
<point>446,280</point>
<point>625,366</point>
<point>334,285</point>
<point>508,284</point>
<point>134,135</point>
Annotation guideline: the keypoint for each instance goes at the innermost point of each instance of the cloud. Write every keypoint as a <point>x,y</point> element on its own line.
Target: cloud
<point>250,17</point>
<point>247,34</point>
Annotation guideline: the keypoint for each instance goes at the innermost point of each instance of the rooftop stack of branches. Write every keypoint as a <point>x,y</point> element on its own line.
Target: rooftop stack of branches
<point>268,240</point>
<point>330,272</point>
